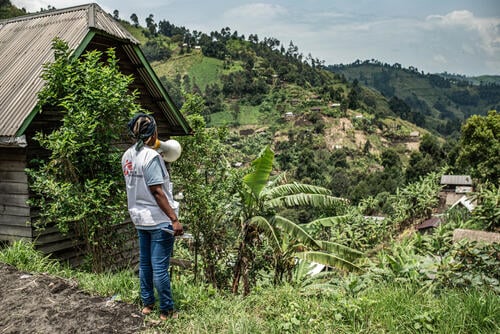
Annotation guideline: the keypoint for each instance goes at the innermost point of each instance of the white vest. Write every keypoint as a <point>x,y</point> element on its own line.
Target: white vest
<point>142,206</point>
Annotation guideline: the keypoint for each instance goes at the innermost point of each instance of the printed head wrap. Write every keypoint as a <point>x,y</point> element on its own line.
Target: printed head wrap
<point>141,127</point>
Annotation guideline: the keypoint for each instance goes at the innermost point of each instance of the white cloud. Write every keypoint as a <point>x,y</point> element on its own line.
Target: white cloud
<point>486,29</point>
<point>260,11</point>
<point>36,5</point>
<point>440,59</point>
<point>457,17</point>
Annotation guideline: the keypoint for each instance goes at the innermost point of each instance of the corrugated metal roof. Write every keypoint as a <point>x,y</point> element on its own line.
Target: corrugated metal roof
<point>432,222</point>
<point>461,180</point>
<point>25,45</point>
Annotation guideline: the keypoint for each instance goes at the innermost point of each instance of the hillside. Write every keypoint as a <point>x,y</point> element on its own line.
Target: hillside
<point>325,128</point>
<point>438,102</point>
<point>265,83</point>
<point>7,10</point>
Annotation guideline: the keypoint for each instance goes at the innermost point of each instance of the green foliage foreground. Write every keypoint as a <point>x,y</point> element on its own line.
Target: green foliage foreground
<point>385,307</point>
<point>79,187</point>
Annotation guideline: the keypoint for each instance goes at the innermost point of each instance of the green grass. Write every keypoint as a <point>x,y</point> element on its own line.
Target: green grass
<point>137,32</point>
<point>405,309</point>
<point>207,71</point>
<point>379,308</point>
<point>23,256</point>
<point>201,70</point>
<point>248,115</point>
<point>222,118</point>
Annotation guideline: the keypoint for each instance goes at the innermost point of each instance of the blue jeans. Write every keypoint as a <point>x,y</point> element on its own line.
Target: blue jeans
<point>155,248</point>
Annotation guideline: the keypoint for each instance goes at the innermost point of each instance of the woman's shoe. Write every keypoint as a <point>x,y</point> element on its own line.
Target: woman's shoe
<point>170,314</point>
<point>148,309</point>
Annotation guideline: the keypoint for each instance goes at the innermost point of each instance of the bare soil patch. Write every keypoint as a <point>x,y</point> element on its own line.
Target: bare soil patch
<point>41,303</point>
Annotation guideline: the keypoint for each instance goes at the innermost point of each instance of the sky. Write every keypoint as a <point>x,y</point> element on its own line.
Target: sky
<point>434,36</point>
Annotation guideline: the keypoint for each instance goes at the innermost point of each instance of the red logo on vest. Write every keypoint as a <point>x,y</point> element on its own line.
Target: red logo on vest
<point>127,169</point>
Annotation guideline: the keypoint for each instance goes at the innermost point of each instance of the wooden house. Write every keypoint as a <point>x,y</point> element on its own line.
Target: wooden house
<point>454,187</point>
<point>25,45</point>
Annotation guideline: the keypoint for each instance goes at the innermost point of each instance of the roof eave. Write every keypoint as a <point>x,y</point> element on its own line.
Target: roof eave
<point>173,108</point>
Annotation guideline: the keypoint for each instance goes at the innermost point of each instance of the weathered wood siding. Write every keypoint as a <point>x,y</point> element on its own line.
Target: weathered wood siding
<point>14,211</point>
<point>66,247</point>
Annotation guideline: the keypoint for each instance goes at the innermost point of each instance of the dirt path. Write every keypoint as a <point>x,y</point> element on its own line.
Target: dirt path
<point>45,304</point>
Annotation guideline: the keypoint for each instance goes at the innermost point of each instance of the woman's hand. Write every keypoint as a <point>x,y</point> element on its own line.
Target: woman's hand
<point>178,229</point>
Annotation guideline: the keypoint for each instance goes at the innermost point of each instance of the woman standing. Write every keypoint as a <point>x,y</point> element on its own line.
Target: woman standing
<point>154,213</point>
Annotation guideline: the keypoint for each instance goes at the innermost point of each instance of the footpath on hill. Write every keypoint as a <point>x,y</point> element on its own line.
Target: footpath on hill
<point>39,303</point>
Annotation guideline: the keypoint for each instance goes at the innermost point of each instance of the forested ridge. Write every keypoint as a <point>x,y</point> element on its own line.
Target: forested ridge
<point>362,129</point>
<point>360,135</point>
<point>437,101</point>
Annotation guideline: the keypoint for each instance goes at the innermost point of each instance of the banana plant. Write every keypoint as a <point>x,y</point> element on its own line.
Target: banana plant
<point>261,196</point>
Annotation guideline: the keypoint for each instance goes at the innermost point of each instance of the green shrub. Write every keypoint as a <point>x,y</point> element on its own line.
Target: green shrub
<point>22,254</point>
<point>80,187</point>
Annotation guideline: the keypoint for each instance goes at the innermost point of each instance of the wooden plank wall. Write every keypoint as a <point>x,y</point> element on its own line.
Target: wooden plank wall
<point>65,247</point>
<point>68,250</point>
<point>14,211</point>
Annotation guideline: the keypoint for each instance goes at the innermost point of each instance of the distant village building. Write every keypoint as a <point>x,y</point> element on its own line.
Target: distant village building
<point>475,235</point>
<point>334,105</point>
<point>316,109</point>
<point>428,224</point>
<point>414,136</point>
<point>288,115</point>
<point>455,187</point>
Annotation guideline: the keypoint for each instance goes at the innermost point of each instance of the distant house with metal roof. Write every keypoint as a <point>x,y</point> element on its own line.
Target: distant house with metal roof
<point>25,45</point>
<point>454,187</point>
<point>428,224</point>
<point>456,180</point>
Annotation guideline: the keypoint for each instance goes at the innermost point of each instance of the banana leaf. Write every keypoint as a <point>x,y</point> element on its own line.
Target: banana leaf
<point>262,166</point>
<point>307,200</point>
<point>294,189</point>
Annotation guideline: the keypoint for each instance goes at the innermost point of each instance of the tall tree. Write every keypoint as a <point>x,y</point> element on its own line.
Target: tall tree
<point>480,147</point>
<point>7,10</point>
<point>353,96</point>
<point>134,19</point>
<point>151,25</point>
<point>202,174</point>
